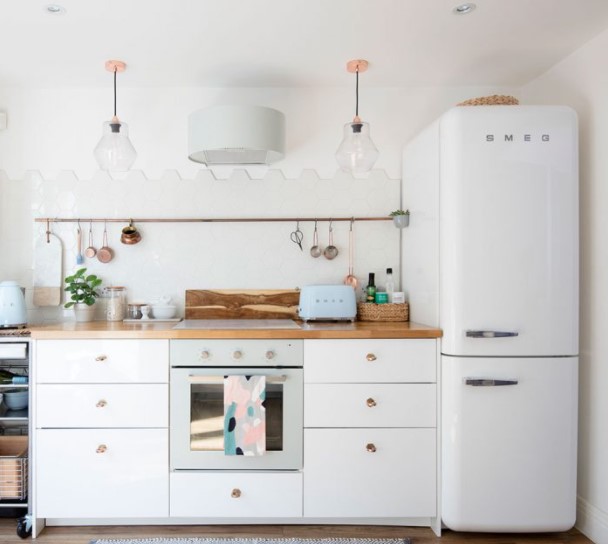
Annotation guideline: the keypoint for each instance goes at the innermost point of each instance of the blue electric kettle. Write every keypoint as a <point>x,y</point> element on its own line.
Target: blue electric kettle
<point>13,313</point>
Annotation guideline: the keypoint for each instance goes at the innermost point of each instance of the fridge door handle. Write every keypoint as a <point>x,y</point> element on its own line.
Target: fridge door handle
<point>488,382</point>
<point>490,334</point>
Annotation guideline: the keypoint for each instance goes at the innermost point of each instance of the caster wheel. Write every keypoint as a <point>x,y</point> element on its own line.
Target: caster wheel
<point>23,531</point>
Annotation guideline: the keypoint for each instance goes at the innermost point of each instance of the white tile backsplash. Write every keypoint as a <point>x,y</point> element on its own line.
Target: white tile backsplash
<point>173,257</point>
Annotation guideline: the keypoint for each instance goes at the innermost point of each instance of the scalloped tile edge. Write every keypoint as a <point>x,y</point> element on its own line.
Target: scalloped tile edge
<point>240,174</point>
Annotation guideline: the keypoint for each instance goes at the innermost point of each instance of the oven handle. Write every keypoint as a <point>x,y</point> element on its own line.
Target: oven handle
<point>220,379</point>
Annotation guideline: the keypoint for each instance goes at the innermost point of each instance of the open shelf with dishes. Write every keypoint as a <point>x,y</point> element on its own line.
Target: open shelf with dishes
<point>14,426</point>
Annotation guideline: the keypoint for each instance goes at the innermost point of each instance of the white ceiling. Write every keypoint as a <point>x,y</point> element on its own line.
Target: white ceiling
<point>261,43</point>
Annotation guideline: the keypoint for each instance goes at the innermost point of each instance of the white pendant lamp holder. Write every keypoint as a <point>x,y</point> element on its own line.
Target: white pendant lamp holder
<point>357,153</point>
<point>115,152</point>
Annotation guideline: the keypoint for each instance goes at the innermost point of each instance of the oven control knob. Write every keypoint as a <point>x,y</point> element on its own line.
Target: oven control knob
<point>237,354</point>
<point>205,354</point>
<point>270,354</point>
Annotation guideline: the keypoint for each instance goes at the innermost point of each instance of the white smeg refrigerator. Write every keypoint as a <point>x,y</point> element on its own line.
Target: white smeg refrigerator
<point>491,257</point>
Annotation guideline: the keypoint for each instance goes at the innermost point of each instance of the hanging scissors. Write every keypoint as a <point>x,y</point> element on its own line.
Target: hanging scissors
<point>297,236</point>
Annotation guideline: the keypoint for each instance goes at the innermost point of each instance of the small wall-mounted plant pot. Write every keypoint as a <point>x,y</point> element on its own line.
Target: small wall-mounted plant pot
<point>401,221</point>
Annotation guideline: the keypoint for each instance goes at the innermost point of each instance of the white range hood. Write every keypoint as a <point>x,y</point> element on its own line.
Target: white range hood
<point>236,135</point>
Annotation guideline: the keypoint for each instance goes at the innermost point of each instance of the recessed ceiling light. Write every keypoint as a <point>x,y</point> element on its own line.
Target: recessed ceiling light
<point>464,9</point>
<point>55,9</point>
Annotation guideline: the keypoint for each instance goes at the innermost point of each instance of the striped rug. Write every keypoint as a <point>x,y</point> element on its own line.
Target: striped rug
<point>253,541</point>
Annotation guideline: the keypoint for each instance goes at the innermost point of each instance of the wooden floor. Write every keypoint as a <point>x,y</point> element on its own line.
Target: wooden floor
<point>83,535</point>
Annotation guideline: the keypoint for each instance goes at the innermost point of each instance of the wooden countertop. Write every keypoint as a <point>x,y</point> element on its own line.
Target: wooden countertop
<point>109,330</point>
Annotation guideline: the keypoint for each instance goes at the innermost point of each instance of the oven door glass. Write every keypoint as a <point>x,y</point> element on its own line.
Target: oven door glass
<point>207,416</point>
<point>197,419</point>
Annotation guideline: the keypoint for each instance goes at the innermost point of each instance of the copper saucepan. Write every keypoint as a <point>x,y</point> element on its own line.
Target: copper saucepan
<point>105,253</point>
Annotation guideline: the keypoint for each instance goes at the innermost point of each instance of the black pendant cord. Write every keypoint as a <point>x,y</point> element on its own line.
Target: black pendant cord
<point>114,123</point>
<point>115,91</point>
<point>357,93</point>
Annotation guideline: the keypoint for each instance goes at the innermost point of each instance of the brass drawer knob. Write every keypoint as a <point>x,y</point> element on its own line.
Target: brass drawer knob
<point>102,448</point>
<point>371,402</point>
<point>370,448</point>
<point>101,358</point>
<point>101,403</point>
<point>370,357</point>
<point>236,493</point>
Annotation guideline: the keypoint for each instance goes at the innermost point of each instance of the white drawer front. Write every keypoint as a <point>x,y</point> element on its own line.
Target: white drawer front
<point>237,494</point>
<point>370,405</point>
<point>368,361</point>
<point>129,479</point>
<point>102,361</point>
<point>343,479</point>
<point>102,405</point>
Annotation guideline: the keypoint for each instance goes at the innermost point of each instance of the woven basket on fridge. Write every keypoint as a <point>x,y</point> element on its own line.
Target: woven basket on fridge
<point>494,100</point>
<point>369,311</point>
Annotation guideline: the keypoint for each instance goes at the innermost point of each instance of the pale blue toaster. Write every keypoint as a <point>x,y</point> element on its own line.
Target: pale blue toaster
<point>328,303</point>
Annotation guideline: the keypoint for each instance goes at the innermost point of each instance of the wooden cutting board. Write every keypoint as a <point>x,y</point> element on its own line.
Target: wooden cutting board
<point>47,271</point>
<point>242,304</point>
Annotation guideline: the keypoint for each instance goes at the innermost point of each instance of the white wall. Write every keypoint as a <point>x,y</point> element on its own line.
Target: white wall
<point>581,81</point>
<point>49,170</point>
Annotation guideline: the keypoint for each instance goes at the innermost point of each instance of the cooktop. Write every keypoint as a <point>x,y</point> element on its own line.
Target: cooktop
<point>236,324</point>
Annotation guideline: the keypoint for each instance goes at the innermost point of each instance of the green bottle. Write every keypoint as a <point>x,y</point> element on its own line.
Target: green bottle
<point>370,290</point>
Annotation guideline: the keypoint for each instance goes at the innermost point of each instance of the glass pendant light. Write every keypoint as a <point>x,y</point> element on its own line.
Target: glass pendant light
<point>357,153</point>
<point>115,152</point>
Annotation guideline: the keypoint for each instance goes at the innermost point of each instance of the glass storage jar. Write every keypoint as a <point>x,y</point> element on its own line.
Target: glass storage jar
<point>117,303</point>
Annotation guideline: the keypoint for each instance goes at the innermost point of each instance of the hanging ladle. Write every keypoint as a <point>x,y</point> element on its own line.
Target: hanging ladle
<point>331,251</point>
<point>351,279</point>
<point>315,250</point>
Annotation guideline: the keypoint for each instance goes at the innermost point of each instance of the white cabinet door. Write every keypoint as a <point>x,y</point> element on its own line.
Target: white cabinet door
<point>236,494</point>
<point>102,361</point>
<point>102,405</point>
<point>509,231</point>
<point>97,473</point>
<point>509,443</point>
<point>370,405</point>
<point>370,361</point>
<point>342,478</point>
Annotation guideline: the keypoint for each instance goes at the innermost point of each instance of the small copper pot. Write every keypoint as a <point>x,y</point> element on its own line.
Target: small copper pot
<point>130,235</point>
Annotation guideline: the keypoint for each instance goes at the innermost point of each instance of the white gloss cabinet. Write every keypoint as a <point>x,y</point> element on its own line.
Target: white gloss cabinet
<point>102,405</point>
<point>236,494</point>
<point>370,437</point>
<point>102,361</point>
<point>101,473</point>
<point>369,473</point>
<point>102,444</point>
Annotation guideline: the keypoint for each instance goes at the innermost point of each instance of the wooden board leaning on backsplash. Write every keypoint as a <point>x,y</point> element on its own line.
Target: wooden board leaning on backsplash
<point>242,304</point>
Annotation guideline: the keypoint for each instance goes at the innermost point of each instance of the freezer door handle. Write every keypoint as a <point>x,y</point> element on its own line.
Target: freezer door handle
<point>491,334</point>
<point>488,382</point>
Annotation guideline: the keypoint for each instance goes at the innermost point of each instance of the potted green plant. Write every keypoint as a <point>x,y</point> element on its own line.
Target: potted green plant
<point>82,289</point>
<point>401,219</point>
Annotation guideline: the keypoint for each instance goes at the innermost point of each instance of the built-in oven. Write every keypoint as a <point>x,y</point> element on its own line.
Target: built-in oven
<point>198,422</point>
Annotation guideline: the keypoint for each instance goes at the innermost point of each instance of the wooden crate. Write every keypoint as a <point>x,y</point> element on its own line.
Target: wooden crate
<point>13,467</point>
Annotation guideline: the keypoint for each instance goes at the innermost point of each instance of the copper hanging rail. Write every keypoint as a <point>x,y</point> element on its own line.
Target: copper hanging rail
<point>205,219</point>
